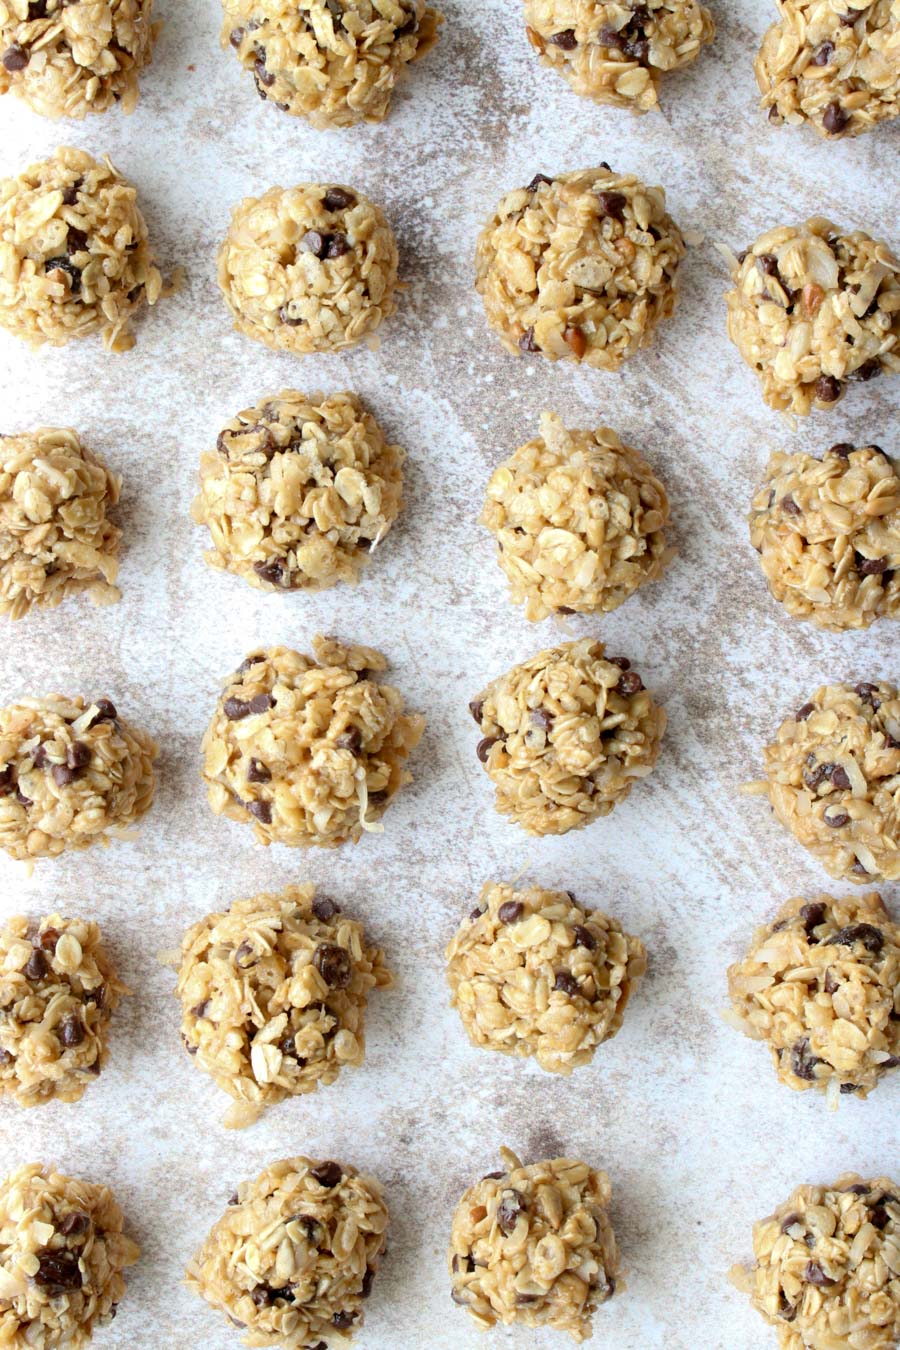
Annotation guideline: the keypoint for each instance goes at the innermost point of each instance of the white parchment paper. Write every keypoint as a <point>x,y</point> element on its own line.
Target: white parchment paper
<point>686,1116</point>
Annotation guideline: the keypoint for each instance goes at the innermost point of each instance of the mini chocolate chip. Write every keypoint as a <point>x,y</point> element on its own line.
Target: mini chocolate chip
<point>823,54</point>
<point>871,937</point>
<point>334,964</point>
<point>314,242</point>
<point>337,245</point>
<point>803,1064</point>
<point>630,683</point>
<point>351,740</point>
<point>839,777</point>
<point>15,58</point>
<point>324,908</point>
<point>584,937</point>
<point>541,718</point>
<point>71,1030</point>
<point>537,180</point>
<point>828,389</point>
<point>476,708</point>
<point>483,748</point>
<point>835,119</point>
<point>58,1273</point>
<point>527,343</point>
<point>511,1205</point>
<point>261,811</point>
<point>36,968</point>
<point>812,915</point>
<point>612,204</point>
<point>258,772</point>
<point>802,713</point>
<point>814,1274</point>
<point>270,570</point>
<point>327,1174</point>
<point>566,40</point>
<point>566,983</point>
<point>867,371</point>
<point>510,911</point>
<point>337,199</point>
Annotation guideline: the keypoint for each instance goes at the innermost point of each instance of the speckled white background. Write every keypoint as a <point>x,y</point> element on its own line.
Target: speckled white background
<point>685,1115</point>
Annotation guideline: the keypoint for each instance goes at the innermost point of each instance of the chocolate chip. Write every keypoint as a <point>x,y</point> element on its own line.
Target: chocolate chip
<point>236,37</point>
<point>483,748</point>
<point>270,570</point>
<point>67,266</point>
<point>379,797</point>
<point>510,911</point>
<point>867,692</point>
<point>879,1217</point>
<point>814,1274</point>
<point>37,967</point>
<point>802,713</point>
<point>867,371</point>
<point>337,245</point>
<point>584,937</point>
<point>849,19</point>
<point>786,1311</point>
<point>475,914</point>
<point>235,709</point>
<point>847,1088</point>
<point>62,775</point>
<point>258,772</point>
<point>351,740</point>
<point>527,343</point>
<point>7,778</point>
<point>106,712</point>
<point>324,908</point>
<point>76,241</point>
<point>245,956</point>
<point>831,985</point>
<point>264,1296</point>
<point>476,708</point>
<point>58,1273</point>
<point>342,1320</point>
<point>839,777</point>
<point>612,204</point>
<point>803,1064</point>
<point>566,983</point>
<point>836,820</point>
<point>261,811</point>
<point>835,119</point>
<point>828,389</point>
<point>261,703</point>
<point>200,1009</point>
<point>327,1174</point>
<point>22,799</point>
<point>858,1188</point>
<point>537,180</point>
<point>37,9</point>
<point>15,58</point>
<point>790,1221</point>
<point>630,683</point>
<point>566,40</point>
<point>823,54</point>
<point>74,1224</point>
<point>611,37</point>
<point>871,567</point>
<point>48,939</point>
<point>812,915</point>
<point>541,718</point>
<point>871,937</point>
<point>78,755</point>
<point>767,263</point>
<point>789,506</point>
<point>337,199</point>
<point>564,609</point>
<point>314,242</point>
<point>367,1281</point>
<point>843,450</point>
<point>511,1205</point>
<point>334,964</point>
<point>71,1030</point>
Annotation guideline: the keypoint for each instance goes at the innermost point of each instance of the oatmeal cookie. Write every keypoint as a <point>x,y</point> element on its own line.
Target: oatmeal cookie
<point>295,1255</point>
<point>826,1268</point>
<point>310,751</point>
<point>72,774</point>
<point>814,309</point>
<point>615,52</point>
<point>273,995</point>
<point>534,973</point>
<point>299,491</point>
<point>67,58</point>
<point>828,535</point>
<point>334,62</point>
<point>58,991</point>
<point>74,253</point>
<point>579,520</point>
<point>534,1245</point>
<point>833,66</point>
<point>62,1254</point>
<point>55,537</point>
<point>308,269</point>
<point>821,986</point>
<point>565,735</point>
<point>833,778</point>
<point>579,267</point>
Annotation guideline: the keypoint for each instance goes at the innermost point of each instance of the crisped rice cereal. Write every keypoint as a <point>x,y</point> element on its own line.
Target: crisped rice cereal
<point>273,995</point>
<point>615,51</point>
<point>580,267</point>
<point>821,986</point>
<point>294,1257</point>
<point>565,735</point>
<point>534,1245</point>
<point>74,253</point>
<point>334,62</point>
<point>311,751</point>
<point>813,309</point>
<point>826,1266</point>
<point>579,520</point>
<point>833,778</point>
<point>308,269</point>
<point>532,972</point>
<point>55,537</point>
<point>299,491</point>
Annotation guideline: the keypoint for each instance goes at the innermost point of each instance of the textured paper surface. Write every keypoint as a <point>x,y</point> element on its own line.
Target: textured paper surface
<point>686,1116</point>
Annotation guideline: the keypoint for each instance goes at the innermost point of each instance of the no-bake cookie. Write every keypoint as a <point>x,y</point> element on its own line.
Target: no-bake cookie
<point>310,751</point>
<point>74,254</point>
<point>273,995</point>
<point>833,66</point>
<point>299,491</point>
<point>833,778</point>
<point>308,269</point>
<point>614,52</point>
<point>72,774</point>
<point>334,62</point>
<point>532,972</point>
<point>565,735</point>
<point>821,986</point>
<point>534,1245</point>
<point>826,1270</point>
<point>62,1254</point>
<point>67,58</point>
<point>828,535</point>
<point>56,539</point>
<point>812,309</point>
<point>580,267</point>
<point>294,1257</point>
<point>579,520</point>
